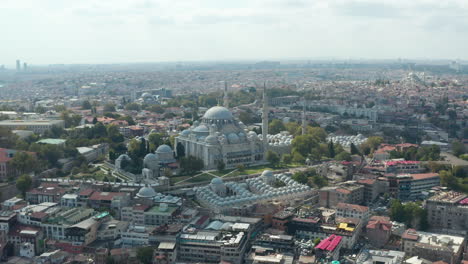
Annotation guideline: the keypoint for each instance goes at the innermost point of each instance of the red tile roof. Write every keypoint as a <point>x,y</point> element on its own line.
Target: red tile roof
<point>105,196</point>
<point>344,191</point>
<point>423,176</point>
<point>353,207</point>
<point>410,234</point>
<point>367,181</point>
<point>86,192</point>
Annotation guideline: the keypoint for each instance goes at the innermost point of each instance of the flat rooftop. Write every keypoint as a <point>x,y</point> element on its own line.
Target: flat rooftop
<point>448,197</point>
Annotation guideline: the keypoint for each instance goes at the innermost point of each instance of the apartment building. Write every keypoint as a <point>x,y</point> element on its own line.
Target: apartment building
<point>433,247</point>
<point>448,211</point>
<point>352,210</point>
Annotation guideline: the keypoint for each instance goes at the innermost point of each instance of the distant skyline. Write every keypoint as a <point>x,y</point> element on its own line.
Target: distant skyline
<point>129,31</point>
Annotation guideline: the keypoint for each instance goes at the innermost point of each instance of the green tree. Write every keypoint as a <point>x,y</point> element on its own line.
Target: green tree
<point>343,156</point>
<point>156,109</point>
<point>24,162</point>
<point>168,172</point>
<point>155,140</point>
<point>132,107</point>
<point>247,117</point>
<point>397,211</point>
<point>331,149</point>
<point>86,105</point>
<point>109,107</point>
<point>354,149</point>
<point>371,144</point>
<point>458,148</point>
<point>220,165</point>
<point>273,158</point>
<point>304,144</point>
<point>300,177</point>
<point>23,184</point>
<point>276,126</point>
<point>145,255</point>
<point>287,158</point>
<point>297,157</point>
<point>40,110</point>
<point>319,133</point>
<point>191,164</point>
<point>129,120</point>
<point>135,149</point>
<point>317,241</point>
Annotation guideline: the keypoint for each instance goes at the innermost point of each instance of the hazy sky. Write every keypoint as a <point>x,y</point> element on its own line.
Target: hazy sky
<point>108,31</point>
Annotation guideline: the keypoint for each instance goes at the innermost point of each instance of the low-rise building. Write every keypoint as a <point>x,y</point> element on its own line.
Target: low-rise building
<point>379,230</point>
<point>380,257</point>
<point>352,210</point>
<point>45,193</point>
<point>37,126</point>
<point>69,200</point>
<point>136,236</point>
<point>432,246</point>
<point>403,166</point>
<point>347,192</point>
<point>329,248</point>
<point>93,152</point>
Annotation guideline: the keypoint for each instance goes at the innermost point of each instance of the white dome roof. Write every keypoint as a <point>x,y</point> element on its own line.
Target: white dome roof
<point>218,112</point>
<point>217,180</point>
<point>201,128</point>
<point>233,138</point>
<point>124,156</point>
<point>211,140</point>
<point>146,192</point>
<point>267,173</point>
<point>163,149</point>
<point>150,157</point>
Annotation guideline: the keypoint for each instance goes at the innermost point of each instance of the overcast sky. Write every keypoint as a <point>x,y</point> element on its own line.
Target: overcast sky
<point>109,31</point>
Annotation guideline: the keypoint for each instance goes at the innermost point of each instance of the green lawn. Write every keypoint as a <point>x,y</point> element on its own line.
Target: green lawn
<point>188,179</point>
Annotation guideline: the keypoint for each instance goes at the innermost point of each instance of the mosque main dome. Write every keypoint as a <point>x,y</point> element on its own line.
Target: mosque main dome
<point>218,113</point>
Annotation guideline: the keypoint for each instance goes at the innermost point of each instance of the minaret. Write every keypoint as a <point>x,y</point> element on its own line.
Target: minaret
<point>226,98</point>
<point>265,119</point>
<point>304,123</point>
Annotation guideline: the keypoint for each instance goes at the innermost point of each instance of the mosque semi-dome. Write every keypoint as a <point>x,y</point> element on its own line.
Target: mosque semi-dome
<point>211,140</point>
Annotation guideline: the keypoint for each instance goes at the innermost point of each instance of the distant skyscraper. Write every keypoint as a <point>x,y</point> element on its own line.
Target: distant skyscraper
<point>25,66</point>
<point>18,65</point>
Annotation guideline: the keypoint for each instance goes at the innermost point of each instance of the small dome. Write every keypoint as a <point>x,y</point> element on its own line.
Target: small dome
<point>252,133</point>
<point>150,157</point>
<point>211,140</point>
<point>217,180</point>
<point>218,112</point>
<point>163,149</point>
<point>201,128</point>
<point>185,133</point>
<point>146,192</point>
<point>267,173</point>
<point>124,157</point>
<point>146,95</point>
<point>233,138</point>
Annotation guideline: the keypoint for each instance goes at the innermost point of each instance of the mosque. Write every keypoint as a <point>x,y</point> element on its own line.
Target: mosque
<point>219,137</point>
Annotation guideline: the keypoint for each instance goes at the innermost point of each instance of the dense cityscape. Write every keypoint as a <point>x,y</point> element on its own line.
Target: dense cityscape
<point>235,162</point>
<point>234,132</point>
